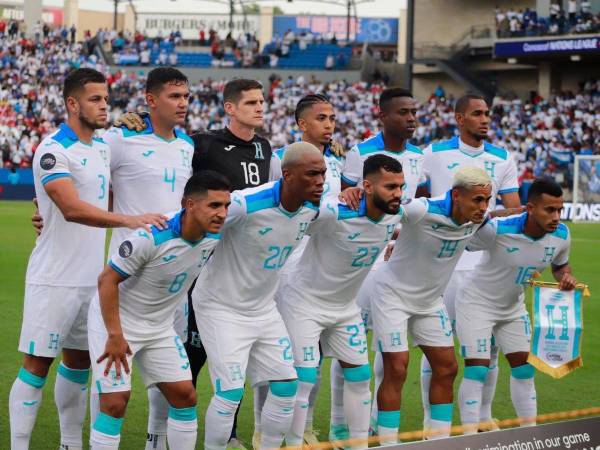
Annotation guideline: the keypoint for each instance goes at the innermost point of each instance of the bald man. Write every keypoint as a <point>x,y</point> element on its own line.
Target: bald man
<point>233,300</point>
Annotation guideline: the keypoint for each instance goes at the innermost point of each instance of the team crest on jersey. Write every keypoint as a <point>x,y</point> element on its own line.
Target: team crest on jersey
<point>47,161</point>
<point>125,249</point>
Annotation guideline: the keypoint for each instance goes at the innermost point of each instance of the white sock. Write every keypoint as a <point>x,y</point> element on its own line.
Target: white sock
<point>425,384</point>
<point>388,424</point>
<point>378,372</point>
<point>260,396</point>
<point>357,403</point>
<point>489,388</point>
<point>182,428</point>
<point>70,395</point>
<point>277,414</point>
<point>440,420</point>
<point>469,397</point>
<point>158,412</point>
<point>94,408</point>
<point>312,400</point>
<point>106,432</point>
<point>522,393</point>
<point>337,395</point>
<point>305,385</point>
<point>23,404</point>
<point>219,419</point>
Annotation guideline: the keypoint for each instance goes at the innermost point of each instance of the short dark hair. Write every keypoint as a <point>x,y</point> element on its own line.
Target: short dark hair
<point>160,76</point>
<point>78,78</point>
<point>374,164</point>
<point>205,180</point>
<point>543,186</point>
<point>233,89</point>
<point>388,94</point>
<point>463,102</point>
<point>307,101</point>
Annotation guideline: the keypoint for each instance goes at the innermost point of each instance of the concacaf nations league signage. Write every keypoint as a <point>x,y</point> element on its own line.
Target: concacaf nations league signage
<point>376,30</point>
<point>543,47</point>
<point>589,212</point>
<point>151,24</point>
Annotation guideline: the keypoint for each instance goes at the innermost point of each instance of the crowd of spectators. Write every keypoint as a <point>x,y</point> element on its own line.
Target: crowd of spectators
<point>542,134</point>
<point>577,18</point>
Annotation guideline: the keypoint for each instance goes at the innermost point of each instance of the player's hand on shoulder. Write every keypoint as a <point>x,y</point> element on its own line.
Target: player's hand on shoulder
<point>132,121</point>
<point>146,220</point>
<point>36,220</point>
<point>567,282</point>
<point>388,251</point>
<point>351,197</point>
<point>115,352</point>
<point>337,149</point>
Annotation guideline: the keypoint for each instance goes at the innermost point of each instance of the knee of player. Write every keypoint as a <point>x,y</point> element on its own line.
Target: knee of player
<point>114,404</point>
<point>445,369</point>
<point>395,369</point>
<point>286,388</point>
<point>185,398</point>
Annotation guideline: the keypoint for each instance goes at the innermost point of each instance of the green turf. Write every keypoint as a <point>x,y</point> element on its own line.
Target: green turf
<point>577,390</point>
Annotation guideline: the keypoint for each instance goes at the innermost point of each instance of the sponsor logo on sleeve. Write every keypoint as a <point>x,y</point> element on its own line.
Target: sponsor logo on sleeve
<point>125,249</point>
<point>47,161</point>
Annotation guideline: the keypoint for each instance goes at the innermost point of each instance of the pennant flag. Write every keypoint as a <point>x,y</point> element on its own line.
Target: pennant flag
<point>557,328</point>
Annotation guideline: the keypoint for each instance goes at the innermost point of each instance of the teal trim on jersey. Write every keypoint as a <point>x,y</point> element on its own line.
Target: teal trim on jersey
<point>413,148</point>
<point>307,374</point>
<point>562,232</point>
<point>98,387</point>
<point>264,199</point>
<point>476,373</point>
<point>508,191</point>
<point>80,376</point>
<point>183,414</point>
<point>280,151</point>
<point>310,205</point>
<point>345,212</point>
<point>54,176</point>
<point>212,236</point>
<point>162,236</point>
<point>496,151</point>
<point>441,412</point>
<point>442,207</point>
<point>356,374</point>
<point>512,224</point>
<point>130,133</point>
<point>117,269</point>
<point>233,395</point>
<point>524,372</point>
<point>348,181</point>
<point>31,348</point>
<point>31,379</point>
<point>107,424</point>
<point>283,388</point>
<point>371,145</point>
<point>388,419</point>
<point>97,139</point>
<point>182,135</point>
<point>451,144</point>
<point>173,231</point>
<point>329,154</point>
<point>65,136</point>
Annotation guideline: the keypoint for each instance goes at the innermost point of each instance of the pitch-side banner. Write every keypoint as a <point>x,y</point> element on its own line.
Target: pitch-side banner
<point>557,330</point>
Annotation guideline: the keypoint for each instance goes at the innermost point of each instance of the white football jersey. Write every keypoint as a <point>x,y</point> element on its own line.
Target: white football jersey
<point>509,260</point>
<point>159,267</point>
<point>335,167</point>
<point>148,173</point>
<point>441,161</point>
<point>411,159</point>
<point>343,246</point>
<point>67,253</point>
<point>425,253</point>
<point>257,239</point>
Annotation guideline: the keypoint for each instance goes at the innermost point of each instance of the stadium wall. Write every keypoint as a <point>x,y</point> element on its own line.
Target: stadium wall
<point>196,74</point>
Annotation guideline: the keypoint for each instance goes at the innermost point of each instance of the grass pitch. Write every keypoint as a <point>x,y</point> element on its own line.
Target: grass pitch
<point>577,390</point>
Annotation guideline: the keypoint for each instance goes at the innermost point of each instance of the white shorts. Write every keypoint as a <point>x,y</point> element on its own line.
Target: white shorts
<point>162,360</point>
<point>258,346</point>
<point>341,333</point>
<point>181,318</point>
<point>55,317</point>
<point>392,323</point>
<point>475,329</point>
<point>456,281</point>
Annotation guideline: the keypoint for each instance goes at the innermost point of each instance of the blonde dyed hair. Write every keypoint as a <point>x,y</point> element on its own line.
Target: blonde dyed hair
<point>469,177</point>
<point>296,153</point>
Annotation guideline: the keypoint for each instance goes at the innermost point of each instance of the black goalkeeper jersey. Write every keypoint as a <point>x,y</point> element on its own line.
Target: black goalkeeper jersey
<point>244,163</point>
